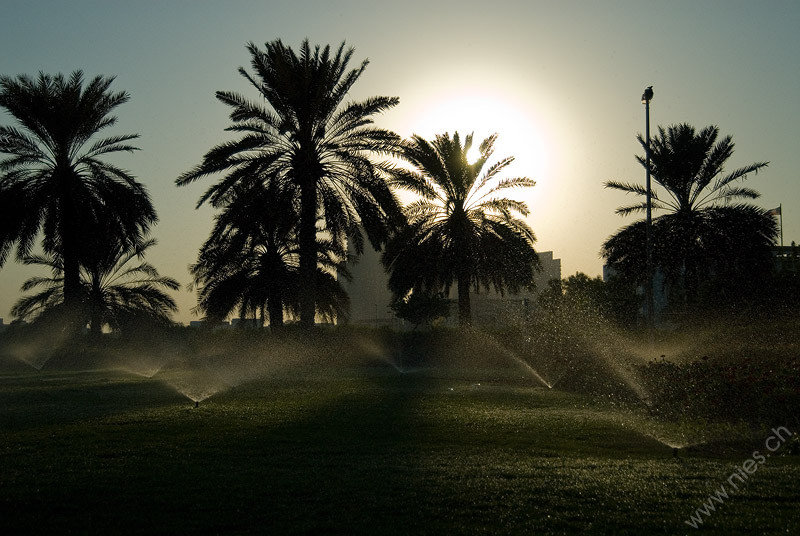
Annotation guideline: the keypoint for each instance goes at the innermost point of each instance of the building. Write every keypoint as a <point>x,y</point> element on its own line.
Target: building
<point>203,324</point>
<point>490,309</point>
<point>246,323</point>
<point>660,293</point>
<point>786,258</point>
<point>370,298</point>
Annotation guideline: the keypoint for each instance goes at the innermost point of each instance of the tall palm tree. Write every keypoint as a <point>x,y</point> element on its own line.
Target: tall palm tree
<point>709,228</point>
<point>459,230</point>
<point>54,179</point>
<point>250,261</point>
<point>118,288</point>
<point>300,133</point>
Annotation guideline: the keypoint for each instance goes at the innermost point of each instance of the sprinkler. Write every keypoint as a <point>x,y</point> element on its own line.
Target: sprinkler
<point>197,403</point>
<point>674,452</point>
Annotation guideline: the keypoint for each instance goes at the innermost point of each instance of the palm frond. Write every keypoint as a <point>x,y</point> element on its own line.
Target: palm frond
<point>655,204</point>
<point>627,187</point>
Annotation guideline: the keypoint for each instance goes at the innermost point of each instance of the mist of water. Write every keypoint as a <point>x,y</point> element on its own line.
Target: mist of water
<point>194,385</point>
<point>35,353</point>
<point>524,365</point>
<point>141,364</point>
<point>372,349</point>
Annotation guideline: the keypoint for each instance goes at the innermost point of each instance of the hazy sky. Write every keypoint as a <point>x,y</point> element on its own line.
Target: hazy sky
<point>559,81</point>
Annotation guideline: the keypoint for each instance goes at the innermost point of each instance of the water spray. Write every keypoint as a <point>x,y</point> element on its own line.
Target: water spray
<point>648,406</point>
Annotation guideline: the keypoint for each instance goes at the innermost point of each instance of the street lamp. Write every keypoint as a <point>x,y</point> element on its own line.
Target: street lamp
<point>647,96</point>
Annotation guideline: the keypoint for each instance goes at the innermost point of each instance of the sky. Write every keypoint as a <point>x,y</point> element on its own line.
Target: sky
<point>560,82</point>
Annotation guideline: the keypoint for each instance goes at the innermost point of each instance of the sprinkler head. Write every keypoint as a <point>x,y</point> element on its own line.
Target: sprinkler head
<point>674,452</point>
<point>197,403</point>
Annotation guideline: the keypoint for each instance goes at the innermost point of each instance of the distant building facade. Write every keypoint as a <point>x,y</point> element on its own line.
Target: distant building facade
<point>786,258</point>
<point>246,323</point>
<point>660,290</point>
<point>203,324</point>
<point>370,298</point>
<point>491,309</point>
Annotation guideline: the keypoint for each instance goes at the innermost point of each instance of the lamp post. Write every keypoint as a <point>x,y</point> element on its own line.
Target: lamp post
<point>647,96</point>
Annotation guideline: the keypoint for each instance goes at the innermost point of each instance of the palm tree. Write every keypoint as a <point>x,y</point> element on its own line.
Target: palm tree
<point>251,259</point>
<point>709,228</point>
<point>459,230</point>
<point>118,288</point>
<point>54,179</point>
<point>300,134</point>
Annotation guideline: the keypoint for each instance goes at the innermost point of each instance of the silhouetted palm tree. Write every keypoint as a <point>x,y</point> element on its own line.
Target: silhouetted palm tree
<point>459,230</point>
<point>118,288</point>
<point>54,179</point>
<point>708,230</point>
<point>251,259</point>
<point>303,136</point>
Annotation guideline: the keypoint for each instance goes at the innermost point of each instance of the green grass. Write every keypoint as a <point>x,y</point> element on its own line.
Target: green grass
<point>361,452</point>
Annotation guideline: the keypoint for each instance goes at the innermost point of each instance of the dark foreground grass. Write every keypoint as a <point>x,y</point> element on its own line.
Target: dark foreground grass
<point>371,453</point>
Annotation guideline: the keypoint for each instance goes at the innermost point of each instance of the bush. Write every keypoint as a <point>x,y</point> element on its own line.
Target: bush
<point>760,390</point>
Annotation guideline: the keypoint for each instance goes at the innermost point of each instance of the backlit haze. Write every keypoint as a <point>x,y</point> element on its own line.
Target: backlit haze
<point>560,82</point>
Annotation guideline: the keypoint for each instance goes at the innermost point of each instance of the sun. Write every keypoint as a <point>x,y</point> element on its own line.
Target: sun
<point>484,114</point>
<point>473,154</point>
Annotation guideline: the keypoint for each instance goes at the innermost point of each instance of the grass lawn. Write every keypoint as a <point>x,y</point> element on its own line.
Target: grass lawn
<point>362,452</point>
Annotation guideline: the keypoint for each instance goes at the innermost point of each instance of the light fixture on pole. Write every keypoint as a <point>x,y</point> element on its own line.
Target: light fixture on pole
<point>647,96</point>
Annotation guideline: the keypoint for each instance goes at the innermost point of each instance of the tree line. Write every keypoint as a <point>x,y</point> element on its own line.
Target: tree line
<point>308,174</point>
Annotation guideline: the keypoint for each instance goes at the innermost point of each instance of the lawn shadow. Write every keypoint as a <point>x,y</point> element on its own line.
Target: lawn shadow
<point>57,399</point>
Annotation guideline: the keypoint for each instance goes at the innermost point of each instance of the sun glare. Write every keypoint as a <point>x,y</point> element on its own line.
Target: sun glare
<point>484,115</point>
<point>473,154</point>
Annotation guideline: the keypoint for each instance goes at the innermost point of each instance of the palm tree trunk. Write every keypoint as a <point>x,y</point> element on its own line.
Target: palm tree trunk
<point>463,268</point>
<point>243,314</point>
<point>275,308</point>
<point>692,283</point>
<point>96,324</point>
<point>72,279</point>
<point>95,317</point>
<point>308,252</point>
<point>71,263</point>
<point>464,307</point>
